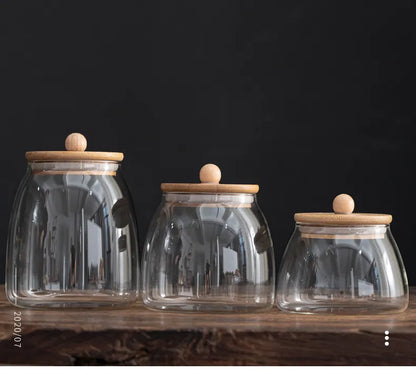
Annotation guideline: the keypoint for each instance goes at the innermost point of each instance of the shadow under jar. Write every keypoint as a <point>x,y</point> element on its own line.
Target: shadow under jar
<point>72,237</point>
<point>342,262</point>
<point>208,249</point>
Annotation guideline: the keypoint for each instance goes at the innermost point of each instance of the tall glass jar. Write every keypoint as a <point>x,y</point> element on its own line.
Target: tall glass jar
<point>209,249</point>
<point>72,237</point>
<point>343,263</point>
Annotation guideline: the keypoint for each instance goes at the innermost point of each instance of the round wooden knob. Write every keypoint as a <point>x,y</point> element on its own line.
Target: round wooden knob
<point>343,204</point>
<point>210,173</point>
<point>75,142</point>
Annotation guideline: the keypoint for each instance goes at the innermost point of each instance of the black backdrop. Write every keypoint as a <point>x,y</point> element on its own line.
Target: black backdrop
<point>306,98</point>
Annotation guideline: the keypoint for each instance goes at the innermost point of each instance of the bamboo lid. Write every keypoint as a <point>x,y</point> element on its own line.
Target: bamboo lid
<point>210,176</point>
<point>75,145</point>
<point>343,206</point>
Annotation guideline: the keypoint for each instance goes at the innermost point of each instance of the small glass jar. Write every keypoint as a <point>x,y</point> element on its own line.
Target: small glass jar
<point>72,237</point>
<point>208,249</point>
<point>343,263</point>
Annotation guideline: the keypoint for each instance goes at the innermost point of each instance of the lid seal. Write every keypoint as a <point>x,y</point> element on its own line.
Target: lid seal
<point>75,145</point>
<point>343,206</point>
<point>210,176</point>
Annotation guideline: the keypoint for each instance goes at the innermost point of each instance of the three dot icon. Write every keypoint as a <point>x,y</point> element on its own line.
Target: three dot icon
<point>386,337</point>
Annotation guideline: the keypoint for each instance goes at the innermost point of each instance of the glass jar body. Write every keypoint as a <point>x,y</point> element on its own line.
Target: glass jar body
<point>342,269</point>
<point>208,252</point>
<point>72,238</point>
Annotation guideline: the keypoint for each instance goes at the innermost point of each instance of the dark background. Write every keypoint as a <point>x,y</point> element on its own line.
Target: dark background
<point>306,98</point>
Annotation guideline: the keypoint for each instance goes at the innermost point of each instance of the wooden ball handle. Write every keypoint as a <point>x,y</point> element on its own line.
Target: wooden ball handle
<point>76,142</point>
<point>343,204</point>
<point>210,173</point>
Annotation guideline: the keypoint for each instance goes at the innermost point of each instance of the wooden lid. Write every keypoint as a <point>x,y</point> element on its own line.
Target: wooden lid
<point>343,206</point>
<point>75,145</point>
<point>210,176</point>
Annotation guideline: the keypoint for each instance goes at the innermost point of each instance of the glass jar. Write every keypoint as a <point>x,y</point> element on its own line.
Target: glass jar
<point>72,237</point>
<point>343,262</point>
<point>208,249</point>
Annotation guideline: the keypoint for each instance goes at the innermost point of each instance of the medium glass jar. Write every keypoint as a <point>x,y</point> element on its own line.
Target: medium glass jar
<point>72,237</point>
<point>342,262</point>
<point>208,249</point>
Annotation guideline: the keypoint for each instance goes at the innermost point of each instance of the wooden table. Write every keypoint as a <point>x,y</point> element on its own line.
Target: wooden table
<point>144,337</point>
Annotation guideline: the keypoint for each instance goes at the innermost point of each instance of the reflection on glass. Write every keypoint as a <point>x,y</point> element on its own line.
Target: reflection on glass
<point>357,270</point>
<point>204,255</point>
<point>72,240</point>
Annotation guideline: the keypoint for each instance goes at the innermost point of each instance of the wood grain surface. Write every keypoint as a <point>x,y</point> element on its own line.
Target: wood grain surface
<point>138,336</point>
<point>210,188</point>
<point>353,219</point>
<point>210,176</point>
<point>41,156</point>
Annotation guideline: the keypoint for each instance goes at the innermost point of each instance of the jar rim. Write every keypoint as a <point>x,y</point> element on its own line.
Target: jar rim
<point>351,232</point>
<point>74,167</point>
<point>217,199</point>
